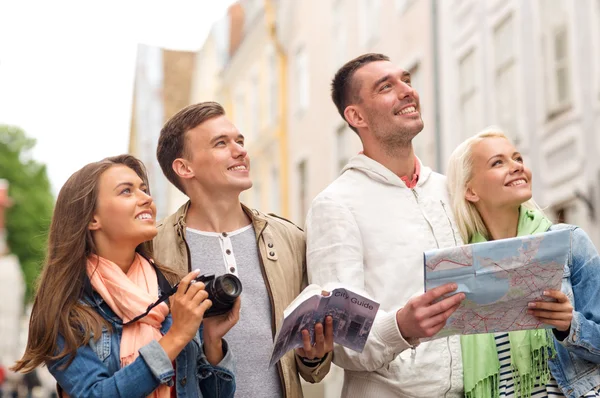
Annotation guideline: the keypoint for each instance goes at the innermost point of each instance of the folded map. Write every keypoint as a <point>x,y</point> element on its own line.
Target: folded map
<point>499,279</point>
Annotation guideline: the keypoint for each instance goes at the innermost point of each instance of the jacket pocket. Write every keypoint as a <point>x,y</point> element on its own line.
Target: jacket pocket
<point>101,346</point>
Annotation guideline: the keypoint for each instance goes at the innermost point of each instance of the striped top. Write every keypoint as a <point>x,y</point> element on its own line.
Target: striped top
<point>506,382</point>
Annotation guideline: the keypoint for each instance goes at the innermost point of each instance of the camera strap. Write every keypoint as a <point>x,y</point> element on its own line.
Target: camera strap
<point>165,292</point>
<point>163,284</point>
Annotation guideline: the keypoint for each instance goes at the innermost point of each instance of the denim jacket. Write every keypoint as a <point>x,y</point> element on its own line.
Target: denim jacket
<point>96,370</point>
<point>576,366</point>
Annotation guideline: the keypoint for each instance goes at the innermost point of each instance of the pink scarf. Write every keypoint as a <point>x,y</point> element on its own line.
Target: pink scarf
<point>129,295</point>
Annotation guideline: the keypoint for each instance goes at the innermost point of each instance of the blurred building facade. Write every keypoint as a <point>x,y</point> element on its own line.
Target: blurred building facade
<point>163,81</point>
<point>211,58</point>
<point>533,68</point>
<point>530,66</point>
<point>252,90</point>
<point>320,142</point>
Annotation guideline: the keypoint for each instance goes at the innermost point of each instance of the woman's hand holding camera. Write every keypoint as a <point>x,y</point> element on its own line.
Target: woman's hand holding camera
<point>188,305</point>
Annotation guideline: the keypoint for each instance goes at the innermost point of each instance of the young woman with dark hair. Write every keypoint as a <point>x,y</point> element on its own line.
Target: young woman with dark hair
<point>87,323</point>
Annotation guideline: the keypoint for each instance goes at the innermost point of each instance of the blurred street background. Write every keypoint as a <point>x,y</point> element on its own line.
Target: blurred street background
<point>83,80</point>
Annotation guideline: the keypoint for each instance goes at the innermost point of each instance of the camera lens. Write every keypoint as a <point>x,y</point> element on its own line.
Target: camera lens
<point>229,286</point>
<point>223,291</point>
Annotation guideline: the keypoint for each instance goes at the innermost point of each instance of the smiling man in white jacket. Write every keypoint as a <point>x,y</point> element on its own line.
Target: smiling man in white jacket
<point>369,230</point>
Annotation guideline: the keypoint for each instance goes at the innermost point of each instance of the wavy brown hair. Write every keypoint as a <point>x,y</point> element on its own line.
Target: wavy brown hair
<point>57,308</point>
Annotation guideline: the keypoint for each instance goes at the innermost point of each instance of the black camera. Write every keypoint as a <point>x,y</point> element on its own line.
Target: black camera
<point>222,290</point>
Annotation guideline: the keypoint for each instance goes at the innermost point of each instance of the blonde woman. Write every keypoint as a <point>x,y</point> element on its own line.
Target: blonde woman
<point>490,189</point>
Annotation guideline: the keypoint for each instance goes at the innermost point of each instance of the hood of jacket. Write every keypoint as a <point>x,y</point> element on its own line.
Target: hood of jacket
<point>378,172</point>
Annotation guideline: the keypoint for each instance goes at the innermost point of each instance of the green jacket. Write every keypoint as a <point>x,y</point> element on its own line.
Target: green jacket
<point>282,248</point>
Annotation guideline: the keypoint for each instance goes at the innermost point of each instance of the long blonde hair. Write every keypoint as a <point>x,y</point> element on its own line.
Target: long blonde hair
<point>460,173</point>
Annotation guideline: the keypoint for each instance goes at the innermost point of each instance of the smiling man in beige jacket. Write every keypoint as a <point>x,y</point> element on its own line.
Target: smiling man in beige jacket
<point>202,153</point>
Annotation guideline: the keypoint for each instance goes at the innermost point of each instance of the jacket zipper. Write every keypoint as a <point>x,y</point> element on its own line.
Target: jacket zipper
<point>449,222</point>
<point>425,217</point>
<point>448,338</point>
<point>438,245</point>
<point>273,324</point>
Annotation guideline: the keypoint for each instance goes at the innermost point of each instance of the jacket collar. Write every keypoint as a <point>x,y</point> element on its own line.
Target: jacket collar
<point>259,220</point>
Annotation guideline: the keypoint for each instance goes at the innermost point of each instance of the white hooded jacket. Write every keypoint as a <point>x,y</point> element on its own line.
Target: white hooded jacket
<point>368,230</point>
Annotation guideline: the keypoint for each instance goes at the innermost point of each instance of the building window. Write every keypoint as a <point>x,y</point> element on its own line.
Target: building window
<point>275,192</point>
<point>302,189</point>
<point>256,193</point>
<point>598,45</point>
<point>403,5</point>
<point>561,66</point>
<point>555,48</point>
<point>469,107</point>
<point>251,10</point>
<point>254,114</point>
<point>415,77</point>
<point>273,89</point>
<point>239,113</point>
<point>415,81</point>
<point>302,80</point>
<point>342,146</point>
<point>507,110</point>
<point>369,16</point>
<point>340,33</point>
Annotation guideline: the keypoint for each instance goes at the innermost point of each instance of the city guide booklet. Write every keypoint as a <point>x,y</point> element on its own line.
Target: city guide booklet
<point>352,313</point>
<point>499,279</point>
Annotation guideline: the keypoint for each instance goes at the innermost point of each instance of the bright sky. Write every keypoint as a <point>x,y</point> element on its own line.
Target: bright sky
<point>67,68</point>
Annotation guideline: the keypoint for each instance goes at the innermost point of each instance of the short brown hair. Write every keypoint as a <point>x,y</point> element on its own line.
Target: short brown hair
<point>343,91</point>
<point>171,143</point>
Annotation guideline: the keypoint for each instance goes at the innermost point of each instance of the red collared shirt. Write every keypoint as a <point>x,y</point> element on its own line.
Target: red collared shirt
<point>415,177</point>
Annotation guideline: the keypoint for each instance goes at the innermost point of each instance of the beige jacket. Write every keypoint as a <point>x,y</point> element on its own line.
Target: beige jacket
<point>282,248</point>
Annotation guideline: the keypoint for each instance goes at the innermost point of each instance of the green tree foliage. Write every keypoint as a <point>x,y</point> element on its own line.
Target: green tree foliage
<point>28,219</point>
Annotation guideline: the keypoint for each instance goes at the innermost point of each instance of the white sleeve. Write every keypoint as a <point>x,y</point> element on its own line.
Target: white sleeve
<point>334,253</point>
